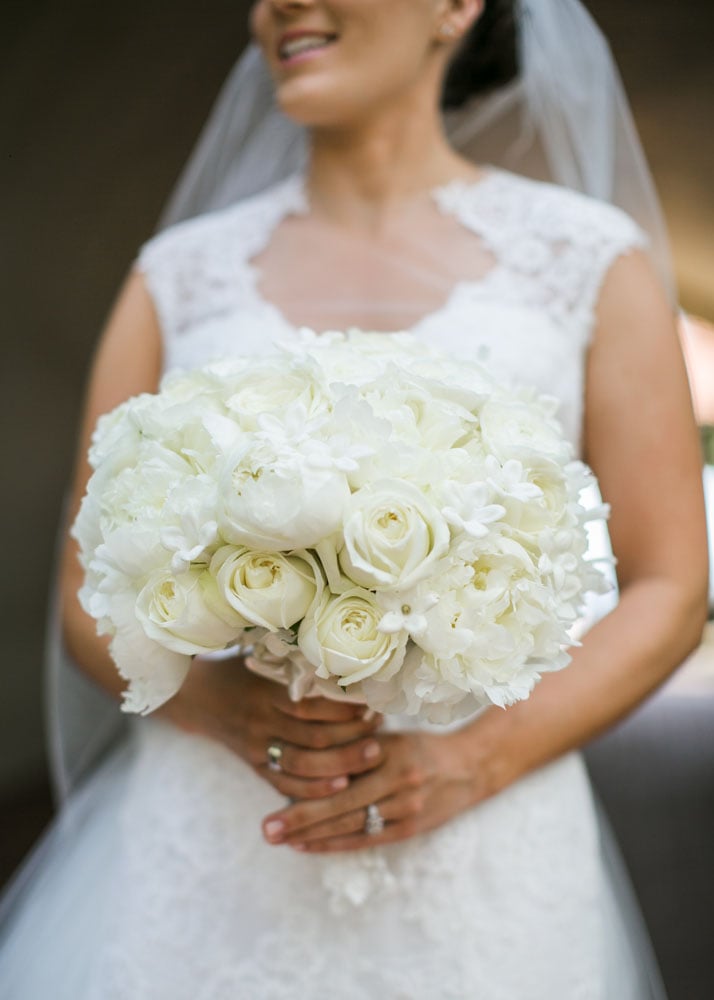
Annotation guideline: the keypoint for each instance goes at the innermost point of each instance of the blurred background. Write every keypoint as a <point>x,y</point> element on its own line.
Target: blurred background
<point>100,106</point>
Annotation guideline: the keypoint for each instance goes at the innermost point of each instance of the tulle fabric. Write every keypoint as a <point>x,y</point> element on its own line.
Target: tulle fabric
<point>58,907</point>
<point>107,917</point>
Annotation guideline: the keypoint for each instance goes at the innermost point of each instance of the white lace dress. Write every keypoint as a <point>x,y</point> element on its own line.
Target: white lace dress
<point>157,884</point>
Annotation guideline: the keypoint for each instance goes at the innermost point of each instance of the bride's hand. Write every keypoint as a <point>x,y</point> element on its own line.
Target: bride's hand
<point>424,781</point>
<point>323,742</point>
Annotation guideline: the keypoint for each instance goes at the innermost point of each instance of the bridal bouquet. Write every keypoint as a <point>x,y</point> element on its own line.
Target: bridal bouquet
<point>375,520</point>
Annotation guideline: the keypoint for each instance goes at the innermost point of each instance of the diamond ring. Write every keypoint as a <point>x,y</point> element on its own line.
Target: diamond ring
<point>374,822</point>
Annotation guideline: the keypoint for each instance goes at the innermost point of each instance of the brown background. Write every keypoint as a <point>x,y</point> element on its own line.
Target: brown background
<point>99,108</point>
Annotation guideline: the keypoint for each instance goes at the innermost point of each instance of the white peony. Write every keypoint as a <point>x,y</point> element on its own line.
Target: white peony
<point>513,428</point>
<point>189,528</point>
<point>420,411</point>
<point>272,387</point>
<point>273,497</point>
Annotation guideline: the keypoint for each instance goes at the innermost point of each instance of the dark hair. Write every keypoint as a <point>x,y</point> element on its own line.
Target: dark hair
<point>488,56</point>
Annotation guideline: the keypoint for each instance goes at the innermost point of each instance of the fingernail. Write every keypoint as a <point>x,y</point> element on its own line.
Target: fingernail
<point>298,847</point>
<point>339,783</point>
<point>273,829</point>
<point>371,751</point>
<point>368,714</point>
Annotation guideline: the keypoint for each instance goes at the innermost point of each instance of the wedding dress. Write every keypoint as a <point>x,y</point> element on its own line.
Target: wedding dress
<point>156,883</point>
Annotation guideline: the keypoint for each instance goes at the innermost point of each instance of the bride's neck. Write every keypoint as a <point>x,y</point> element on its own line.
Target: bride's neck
<point>357,176</point>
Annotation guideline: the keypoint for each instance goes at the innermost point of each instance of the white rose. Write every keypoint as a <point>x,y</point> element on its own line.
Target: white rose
<point>276,660</point>
<point>341,637</point>
<point>267,588</point>
<point>393,535</point>
<point>180,611</point>
<point>272,497</point>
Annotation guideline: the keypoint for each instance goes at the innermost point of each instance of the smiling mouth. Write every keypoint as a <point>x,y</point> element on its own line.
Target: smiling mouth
<point>292,47</point>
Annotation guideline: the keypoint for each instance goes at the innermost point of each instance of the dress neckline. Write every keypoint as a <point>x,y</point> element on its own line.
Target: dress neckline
<point>290,197</point>
<point>297,200</point>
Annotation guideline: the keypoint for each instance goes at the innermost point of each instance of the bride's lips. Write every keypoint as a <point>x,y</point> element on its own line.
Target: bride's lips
<point>300,46</point>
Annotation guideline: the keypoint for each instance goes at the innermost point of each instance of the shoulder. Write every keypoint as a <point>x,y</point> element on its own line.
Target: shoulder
<point>235,228</point>
<point>199,267</point>
<point>560,245</point>
<point>560,214</point>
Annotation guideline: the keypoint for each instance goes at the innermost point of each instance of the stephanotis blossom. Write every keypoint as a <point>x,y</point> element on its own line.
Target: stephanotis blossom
<point>367,518</point>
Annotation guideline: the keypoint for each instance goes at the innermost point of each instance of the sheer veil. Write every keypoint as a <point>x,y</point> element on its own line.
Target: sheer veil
<point>564,119</point>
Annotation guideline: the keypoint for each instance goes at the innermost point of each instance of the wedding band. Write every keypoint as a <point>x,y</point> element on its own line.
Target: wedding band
<point>275,753</point>
<point>374,823</point>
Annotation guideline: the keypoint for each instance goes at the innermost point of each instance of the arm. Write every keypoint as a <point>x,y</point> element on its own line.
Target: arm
<point>127,361</point>
<point>218,699</point>
<point>641,441</point>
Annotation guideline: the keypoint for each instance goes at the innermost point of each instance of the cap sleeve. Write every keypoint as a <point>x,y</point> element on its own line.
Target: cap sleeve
<point>178,266</point>
<point>610,235</point>
<point>584,239</point>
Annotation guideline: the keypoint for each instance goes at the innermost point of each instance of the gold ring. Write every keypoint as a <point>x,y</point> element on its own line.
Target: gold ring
<point>275,753</point>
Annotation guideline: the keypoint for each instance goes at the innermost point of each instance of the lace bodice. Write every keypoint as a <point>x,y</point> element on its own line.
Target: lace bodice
<point>530,316</point>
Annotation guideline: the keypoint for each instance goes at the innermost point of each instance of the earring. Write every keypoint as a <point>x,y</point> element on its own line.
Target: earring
<point>447,30</point>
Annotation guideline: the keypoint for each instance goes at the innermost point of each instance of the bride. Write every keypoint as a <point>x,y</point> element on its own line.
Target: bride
<point>238,845</point>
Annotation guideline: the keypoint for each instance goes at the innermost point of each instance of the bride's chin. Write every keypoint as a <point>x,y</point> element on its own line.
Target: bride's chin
<point>313,107</point>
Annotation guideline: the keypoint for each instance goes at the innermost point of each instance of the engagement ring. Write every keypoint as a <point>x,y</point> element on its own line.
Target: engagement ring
<point>374,823</point>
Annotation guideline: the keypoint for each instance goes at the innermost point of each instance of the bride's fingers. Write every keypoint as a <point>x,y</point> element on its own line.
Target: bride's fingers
<point>392,833</point>
<point>324,735</point>
<point>396,808</point>
<point>318,709</point>
<point>348,823</point>
<point>405,815</point>
<point>354,758</point>
<point>301,788</point>
<point>291,822</point>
